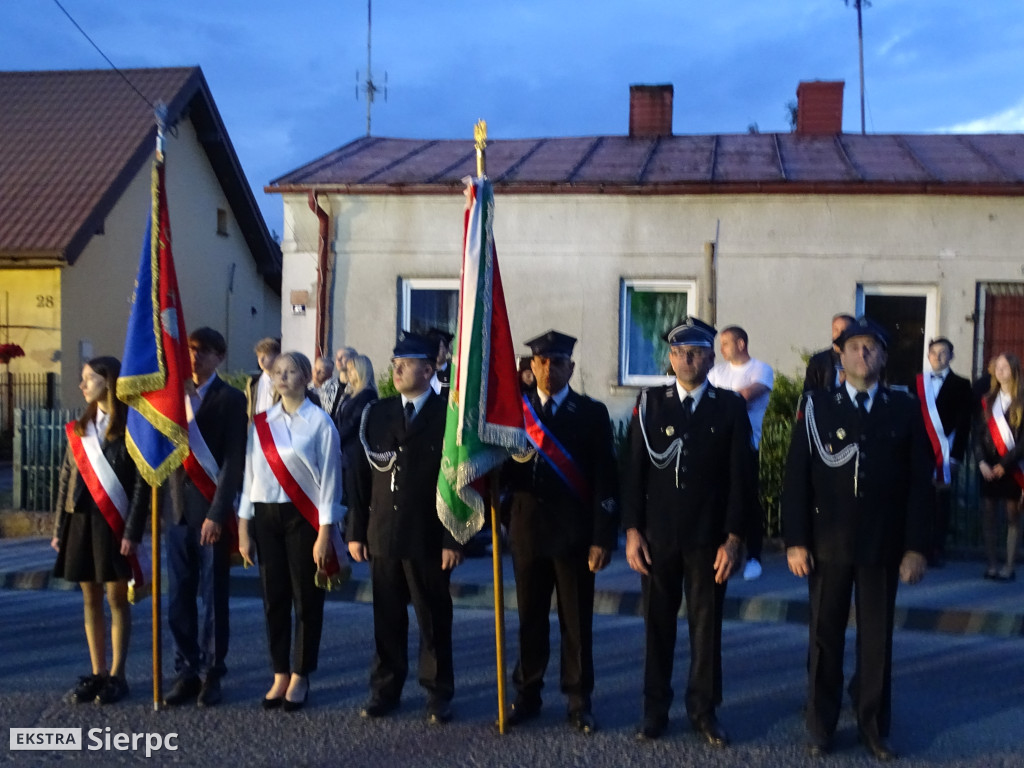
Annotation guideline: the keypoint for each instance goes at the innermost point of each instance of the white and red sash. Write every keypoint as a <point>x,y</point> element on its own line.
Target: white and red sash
<point>560,460</point>
<point>933,426</point>
<point>1002,437</point>
<point>108,493</point>
<point>296,479</point>
<point>200,465</point>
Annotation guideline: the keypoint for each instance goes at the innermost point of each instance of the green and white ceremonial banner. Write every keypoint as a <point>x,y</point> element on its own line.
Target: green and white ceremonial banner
<point>485,412</point>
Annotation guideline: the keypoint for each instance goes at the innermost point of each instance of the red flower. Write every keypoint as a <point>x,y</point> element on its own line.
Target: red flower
<point>10,351</point>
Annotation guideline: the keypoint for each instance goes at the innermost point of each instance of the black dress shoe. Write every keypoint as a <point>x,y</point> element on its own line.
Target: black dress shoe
<point>713,733</point>
<point>210,694</point>
<point>582,720</point>
<point>652,727</point>
<point>114,689</point>
<point>272,703</point>
<point>87,688</point>
<point>294,706</point>
<point>378,708</point>
<point>878,747</point>
<point>818,746</point>
<point>439,712</point>
<point>520,712</point>
<point>184,691</point>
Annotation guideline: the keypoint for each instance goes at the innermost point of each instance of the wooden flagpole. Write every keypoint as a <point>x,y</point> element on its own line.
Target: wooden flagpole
<point>157,650</point>
<point>480,136</point>
<point>161,122</point>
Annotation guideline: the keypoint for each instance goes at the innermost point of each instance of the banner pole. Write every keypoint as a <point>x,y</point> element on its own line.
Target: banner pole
<point>157,651</point>
<point>499,599</point>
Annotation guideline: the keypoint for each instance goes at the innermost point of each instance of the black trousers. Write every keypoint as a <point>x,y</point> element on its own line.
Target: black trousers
<point>943,510</point>
<point>396,583</point>
<point>198,574</point>
<point>284,546</point>
<point>874,591</point>
<point>572,582</point>
<point>670,575</point>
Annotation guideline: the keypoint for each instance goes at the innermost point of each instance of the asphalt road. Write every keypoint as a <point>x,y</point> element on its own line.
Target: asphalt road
<point>959,700</point>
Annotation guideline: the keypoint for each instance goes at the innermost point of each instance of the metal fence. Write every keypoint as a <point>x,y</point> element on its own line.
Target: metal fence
<point>24,390</point>
<point>39,444</point>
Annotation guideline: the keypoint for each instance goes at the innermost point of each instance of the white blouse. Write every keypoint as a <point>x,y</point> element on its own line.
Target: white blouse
<point>315,440</point>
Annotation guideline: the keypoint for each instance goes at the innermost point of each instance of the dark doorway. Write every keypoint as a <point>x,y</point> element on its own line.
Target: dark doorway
<point>903,317</point>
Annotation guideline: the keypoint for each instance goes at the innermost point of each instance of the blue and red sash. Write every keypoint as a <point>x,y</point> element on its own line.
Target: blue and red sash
<point>560,460</point>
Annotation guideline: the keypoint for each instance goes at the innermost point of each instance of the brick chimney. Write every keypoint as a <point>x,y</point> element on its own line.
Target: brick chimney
<point>819,108</point>
<point>650,111</point>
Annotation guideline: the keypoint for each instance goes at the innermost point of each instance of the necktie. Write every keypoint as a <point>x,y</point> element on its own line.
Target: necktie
<point>410,414</point>
<point>862,403</point>
<point>687,408</point>
<point>547,410</point>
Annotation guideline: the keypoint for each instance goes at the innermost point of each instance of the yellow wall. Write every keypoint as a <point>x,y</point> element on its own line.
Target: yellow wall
<point>30,317</point>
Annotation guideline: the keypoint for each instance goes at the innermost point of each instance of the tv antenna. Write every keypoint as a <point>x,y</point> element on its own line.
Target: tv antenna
<point>370,88</point>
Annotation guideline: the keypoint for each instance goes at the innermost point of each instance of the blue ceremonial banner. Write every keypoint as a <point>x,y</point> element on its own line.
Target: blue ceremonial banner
<point>155,364</point>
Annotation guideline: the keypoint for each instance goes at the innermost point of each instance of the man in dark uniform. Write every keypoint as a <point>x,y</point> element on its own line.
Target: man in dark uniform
<point>947,405</point>
<point>393,523</point>
<point>564,525</point>
<point>691,472</point>
<point>823,368</point>
<point>441,380</point>
<point>199,536</point>
<point>856,511</point>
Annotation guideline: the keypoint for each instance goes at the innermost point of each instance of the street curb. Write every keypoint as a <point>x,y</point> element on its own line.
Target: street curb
<point>624,603</point>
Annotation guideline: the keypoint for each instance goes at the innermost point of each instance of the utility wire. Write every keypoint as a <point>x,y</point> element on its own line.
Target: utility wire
<point>107,58</point>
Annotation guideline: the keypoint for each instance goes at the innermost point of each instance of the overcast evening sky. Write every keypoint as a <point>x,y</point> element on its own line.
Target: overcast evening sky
<point>283,74</point>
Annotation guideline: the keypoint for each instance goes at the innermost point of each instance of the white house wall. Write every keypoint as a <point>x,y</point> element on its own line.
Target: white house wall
<point>97,289</point>
<point>786,263</point>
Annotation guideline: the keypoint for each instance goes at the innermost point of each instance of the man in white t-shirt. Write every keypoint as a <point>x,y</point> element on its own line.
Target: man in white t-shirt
<point>752,379</point>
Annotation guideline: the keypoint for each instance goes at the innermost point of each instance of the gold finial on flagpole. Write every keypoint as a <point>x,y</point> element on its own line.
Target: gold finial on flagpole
<point>480,135</point>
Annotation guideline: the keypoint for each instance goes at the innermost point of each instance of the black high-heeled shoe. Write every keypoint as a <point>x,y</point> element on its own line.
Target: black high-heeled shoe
<point>294,706</point>
<point>272,703</point>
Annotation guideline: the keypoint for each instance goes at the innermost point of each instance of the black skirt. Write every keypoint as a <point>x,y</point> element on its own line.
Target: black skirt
<point>1004,487</point>
<point>88,549</point>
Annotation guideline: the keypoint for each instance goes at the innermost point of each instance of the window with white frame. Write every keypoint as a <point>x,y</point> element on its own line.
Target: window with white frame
<point>647,309</point>
<point>428,302</point>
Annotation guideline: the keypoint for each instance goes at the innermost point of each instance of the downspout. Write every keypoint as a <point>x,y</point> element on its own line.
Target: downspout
<point>323,274</point>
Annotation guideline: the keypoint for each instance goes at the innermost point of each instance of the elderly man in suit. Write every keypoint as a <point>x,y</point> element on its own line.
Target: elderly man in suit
<point>690,476</point>
<point>947,405</point>
<point>563,526</point>
<point>393,523</point>
<point>201,530</point>
<point>856,512</point>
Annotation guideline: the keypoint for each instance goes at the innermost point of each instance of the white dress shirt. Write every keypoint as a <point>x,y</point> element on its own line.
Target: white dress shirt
<point>315,440</point>
<point>264,393</point>
<point>558,397</point>
<point>872,391</point>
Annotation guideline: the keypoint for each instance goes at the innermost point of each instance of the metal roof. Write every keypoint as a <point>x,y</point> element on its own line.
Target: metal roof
<point>721,163</point>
